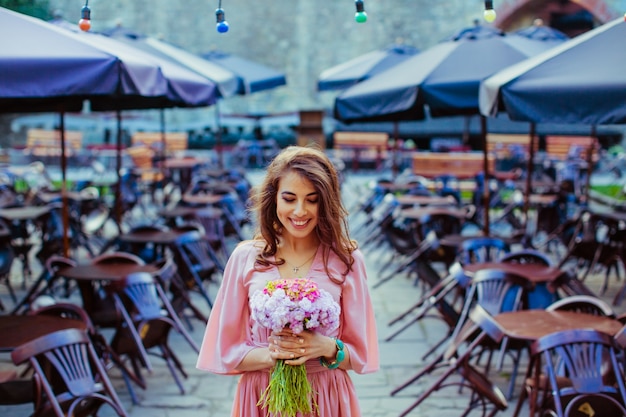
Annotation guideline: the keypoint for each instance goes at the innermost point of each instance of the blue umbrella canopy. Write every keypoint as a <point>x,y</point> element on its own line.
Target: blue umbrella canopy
<point>226,80</point>
<point>43,66</point>
<point>252,76</point>
<point>444,78</point>
<point>363,67</point>
<point>581,81</point>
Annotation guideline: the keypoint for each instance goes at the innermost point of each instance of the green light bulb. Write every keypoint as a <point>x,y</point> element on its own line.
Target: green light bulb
<point>360,17</point>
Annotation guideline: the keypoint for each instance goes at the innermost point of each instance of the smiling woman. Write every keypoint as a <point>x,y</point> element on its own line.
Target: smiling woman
<point>302,235</point>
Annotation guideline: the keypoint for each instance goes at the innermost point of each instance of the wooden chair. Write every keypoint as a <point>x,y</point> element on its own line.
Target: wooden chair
<point>460,368</point>
<point>104,351</point>
<point>196,263</point>
<point>153,318</point>
<point>583,304</point>
<point>68,375</point>
<point>572,369</point>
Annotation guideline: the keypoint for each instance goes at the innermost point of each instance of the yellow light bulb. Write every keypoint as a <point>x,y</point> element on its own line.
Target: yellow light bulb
<point>489,15</point>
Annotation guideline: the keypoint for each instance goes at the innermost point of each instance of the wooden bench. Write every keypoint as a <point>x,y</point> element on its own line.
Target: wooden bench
<point>363,145</point>
<point>461,165</point>
<point>558,147</point>
<point>174,141</point>
<point>501,143</point>
<point>43,142</point>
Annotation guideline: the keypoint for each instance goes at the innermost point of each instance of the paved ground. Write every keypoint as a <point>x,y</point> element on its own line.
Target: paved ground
<point>210,395</point>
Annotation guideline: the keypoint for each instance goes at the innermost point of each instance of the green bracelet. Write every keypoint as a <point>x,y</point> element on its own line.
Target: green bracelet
<point>338,358</point>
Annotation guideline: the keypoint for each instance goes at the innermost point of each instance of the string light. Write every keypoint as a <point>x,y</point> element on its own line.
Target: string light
<point>85,17</point>
<point>360,16</point>
<point>220,19</point>
<point>489,14</point>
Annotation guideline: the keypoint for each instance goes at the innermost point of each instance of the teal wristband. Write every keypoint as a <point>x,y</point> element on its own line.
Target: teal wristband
<point>338,358</point>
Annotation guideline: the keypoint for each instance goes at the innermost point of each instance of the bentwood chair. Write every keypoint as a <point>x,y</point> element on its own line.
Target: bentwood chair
<point>68,376</point>
<point>153,317</point>
<point>459,367</point>
<point>574,373</point>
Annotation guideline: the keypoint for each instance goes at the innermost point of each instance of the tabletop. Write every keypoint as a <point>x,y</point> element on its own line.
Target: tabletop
<point>185,211</point>
<point>104,272</point>
<point>159,237</point>
<point>17,330</point>
<point>533,324</point>
<point>425,200</point>
<point>534,273</point>
<point>23,213</point>
<point>207,199</point>
<point>420,212</point>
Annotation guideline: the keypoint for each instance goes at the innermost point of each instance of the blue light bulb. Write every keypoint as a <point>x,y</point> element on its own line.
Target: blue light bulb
<point>221,25</point>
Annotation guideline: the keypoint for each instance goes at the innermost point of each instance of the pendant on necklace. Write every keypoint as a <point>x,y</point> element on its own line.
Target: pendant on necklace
<point>295,270</point>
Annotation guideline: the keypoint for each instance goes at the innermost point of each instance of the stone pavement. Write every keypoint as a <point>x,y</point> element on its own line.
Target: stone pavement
<point>210,395</point>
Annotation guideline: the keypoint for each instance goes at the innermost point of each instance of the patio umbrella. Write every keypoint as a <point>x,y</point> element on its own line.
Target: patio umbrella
<point>440,81</point>
<point>581,81</point>
<point>363,67</point>
<point>48,68</point>
<point>252,76</point>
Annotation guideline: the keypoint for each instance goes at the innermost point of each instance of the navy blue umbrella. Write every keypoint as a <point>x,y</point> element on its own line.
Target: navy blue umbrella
<point>363,67</point>
<point>252,76</point>
<point>581,81</point>
<point>442,80</point>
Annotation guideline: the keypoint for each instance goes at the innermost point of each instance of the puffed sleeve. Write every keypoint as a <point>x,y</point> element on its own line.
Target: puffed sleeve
<point>358,327</point>
<point>226,341</point>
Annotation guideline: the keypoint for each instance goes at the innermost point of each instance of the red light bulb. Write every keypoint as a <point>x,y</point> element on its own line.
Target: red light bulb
<point>84,24</point>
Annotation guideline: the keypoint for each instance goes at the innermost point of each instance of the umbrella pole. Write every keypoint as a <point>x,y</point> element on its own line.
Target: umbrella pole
<point>64,203</point>
<point>486,191</point>
<point>394,167</point>
<point>218,137</point>
<point>594,136</point>
<point>163,152</point>
<point>529,172</point>
<point>117,209</point>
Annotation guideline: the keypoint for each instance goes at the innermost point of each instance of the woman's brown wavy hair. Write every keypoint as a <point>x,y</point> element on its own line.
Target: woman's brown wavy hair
<point>332,226</point>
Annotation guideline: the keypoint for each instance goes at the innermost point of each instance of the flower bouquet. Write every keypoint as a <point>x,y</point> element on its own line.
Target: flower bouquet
<point>296,304</point>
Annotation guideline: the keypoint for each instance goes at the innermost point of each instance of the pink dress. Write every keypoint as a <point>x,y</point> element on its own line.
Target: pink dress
<point>227,340</point>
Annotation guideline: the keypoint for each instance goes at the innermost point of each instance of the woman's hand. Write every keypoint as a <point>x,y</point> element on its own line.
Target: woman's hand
<point>295,349</point>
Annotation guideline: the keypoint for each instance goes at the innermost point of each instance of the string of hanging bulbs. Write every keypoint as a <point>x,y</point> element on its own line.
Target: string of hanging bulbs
<point>221,25</point>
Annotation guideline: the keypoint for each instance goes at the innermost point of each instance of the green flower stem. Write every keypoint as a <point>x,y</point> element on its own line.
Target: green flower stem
<point>289,391</point>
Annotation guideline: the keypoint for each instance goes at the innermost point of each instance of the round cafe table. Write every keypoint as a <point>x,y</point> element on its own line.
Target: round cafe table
<point>17,330</point>
<point>533,324</point>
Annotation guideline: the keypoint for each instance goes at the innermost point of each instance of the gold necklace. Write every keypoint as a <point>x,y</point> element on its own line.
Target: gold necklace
<point>295,269</point>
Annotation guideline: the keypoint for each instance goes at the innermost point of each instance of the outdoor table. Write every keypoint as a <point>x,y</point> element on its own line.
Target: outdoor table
<point>189,212</point>
<point>531,325</point>
<point>544,280</point>
<point>17,330</point>
<point>420,212</point>
<point>86,275</point>
<point>157,237</point>
<point>425,200</point>
<point>181,169</point>
<point>203,199</point>
<point>23,213</point>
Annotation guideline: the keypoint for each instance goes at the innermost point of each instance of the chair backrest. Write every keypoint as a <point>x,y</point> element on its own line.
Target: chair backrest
<point>141,290</point>
<point>583,357</point>
<point>527,256</point>
<point>584,304</point>
<point>118,258</point>
<point>7,255</point>
<point>194,253</point>
<point>68,355</point>
<point>67,310</point>
<point>442,223</point>
<point>55,262</point>
<point>483,249</point>
<point>497,291</point>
